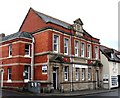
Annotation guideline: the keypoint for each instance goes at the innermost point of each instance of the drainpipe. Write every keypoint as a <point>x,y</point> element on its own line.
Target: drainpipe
<point>32,59</point>
<point>71,87</point>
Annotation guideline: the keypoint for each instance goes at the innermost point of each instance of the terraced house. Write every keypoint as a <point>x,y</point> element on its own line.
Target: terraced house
<point>57,54</point>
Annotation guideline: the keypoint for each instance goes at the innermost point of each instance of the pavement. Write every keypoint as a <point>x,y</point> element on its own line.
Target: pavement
<point>71,93</point>
<point>78,93</point>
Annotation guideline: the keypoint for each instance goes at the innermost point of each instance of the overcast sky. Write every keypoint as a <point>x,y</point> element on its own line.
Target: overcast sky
<point>100,17</point>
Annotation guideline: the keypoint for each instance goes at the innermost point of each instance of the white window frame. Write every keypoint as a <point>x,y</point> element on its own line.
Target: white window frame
<point>66,69</point>
<point>28,72</point>
<point>77,74</point>
<point>83,73</point>
<point>89,51</point>
<point>9,73</point>
<point>76,47</point>
<point>27,55</point>
<point>66,44</point>
<point>96,52</point>
<point>10,50</point>
<point>112,55</point>
<point>89,73</point>
<point>82,49</point>
<point>57,43</point>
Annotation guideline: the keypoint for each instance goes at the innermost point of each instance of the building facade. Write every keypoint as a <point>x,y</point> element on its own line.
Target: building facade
<point>110,61</point>
<point>59,55</point>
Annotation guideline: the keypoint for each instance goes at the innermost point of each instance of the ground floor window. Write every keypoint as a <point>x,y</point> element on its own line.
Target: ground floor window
<point>26,72</point>
<point>77,74</point>
<point>83,73</point>
<point>114,80</point>
<point>89,73</point>
<point>66,73</point>
<point>9,73</point>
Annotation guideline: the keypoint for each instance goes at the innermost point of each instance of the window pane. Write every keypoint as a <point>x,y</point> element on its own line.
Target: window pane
<point>82,49</point>
<point>66,45</point>
<point>26,72</point>
<point>89,73</point>
<point>10,49</point>
<point>88,50</point>
<point>55,39</point>
<point>66,73</point>
<point>27,49</point>
<point>83,73</point>
<point>77,74</point>
<point>56,43</point>
<point>76,48</point>
<point>96,52</point>
<point>9,73</point>
<point>55,47</point>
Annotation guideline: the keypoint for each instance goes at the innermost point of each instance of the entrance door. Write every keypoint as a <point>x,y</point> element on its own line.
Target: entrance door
<point>97,79</point>
<point>55,78</point>
<point>118,80</point>
<point>1,78</point>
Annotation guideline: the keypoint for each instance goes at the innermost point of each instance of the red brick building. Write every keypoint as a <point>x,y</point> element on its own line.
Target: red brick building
<point>47,50</point>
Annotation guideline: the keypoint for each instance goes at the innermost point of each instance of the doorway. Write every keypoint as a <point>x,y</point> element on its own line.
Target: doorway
<point>1,77</point>
<point>97,78</point>
<point>55,77</point>
<point>119,81</point>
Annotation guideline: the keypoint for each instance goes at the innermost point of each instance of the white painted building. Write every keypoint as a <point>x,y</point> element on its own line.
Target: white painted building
<point>110,62</point>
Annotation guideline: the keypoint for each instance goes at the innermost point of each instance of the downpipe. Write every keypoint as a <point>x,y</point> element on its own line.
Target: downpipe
<point>32,59</point>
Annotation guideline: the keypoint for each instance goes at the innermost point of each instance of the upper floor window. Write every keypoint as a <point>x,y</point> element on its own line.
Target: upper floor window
<point>89,51</point>
<point>96,52</point>
<point>76,48</point>
<point>66,46</point>
<point>112,55</point>
<point>82,49</point>
<point>56,43</point>
<point>27,50</point>
<point>9,74</point>
<point>10,50</point>
<point>66,73</point>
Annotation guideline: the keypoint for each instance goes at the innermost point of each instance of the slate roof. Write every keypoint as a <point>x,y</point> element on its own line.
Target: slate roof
<point>47,19</point>
<point>106,51</point>
<point>17,35</point>
<point>86,33</point>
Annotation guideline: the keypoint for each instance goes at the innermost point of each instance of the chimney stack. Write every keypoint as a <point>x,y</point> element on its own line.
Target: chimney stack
<point>2,35</point>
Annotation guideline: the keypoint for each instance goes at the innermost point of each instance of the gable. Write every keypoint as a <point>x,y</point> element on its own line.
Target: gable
<point>32,22</point>
<point>78,21</point>
<point>107,52</point>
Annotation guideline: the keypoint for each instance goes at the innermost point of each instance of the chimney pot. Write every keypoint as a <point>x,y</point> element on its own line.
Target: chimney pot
<point>2,35</point>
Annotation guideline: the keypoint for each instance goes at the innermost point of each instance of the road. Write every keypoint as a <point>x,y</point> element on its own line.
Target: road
<point>15,94</point>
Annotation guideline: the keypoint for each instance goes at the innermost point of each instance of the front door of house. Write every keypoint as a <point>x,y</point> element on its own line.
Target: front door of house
<point>1,78</point>
<point>55,78</point>
<point>97,79</point>
<point>119,81</point>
